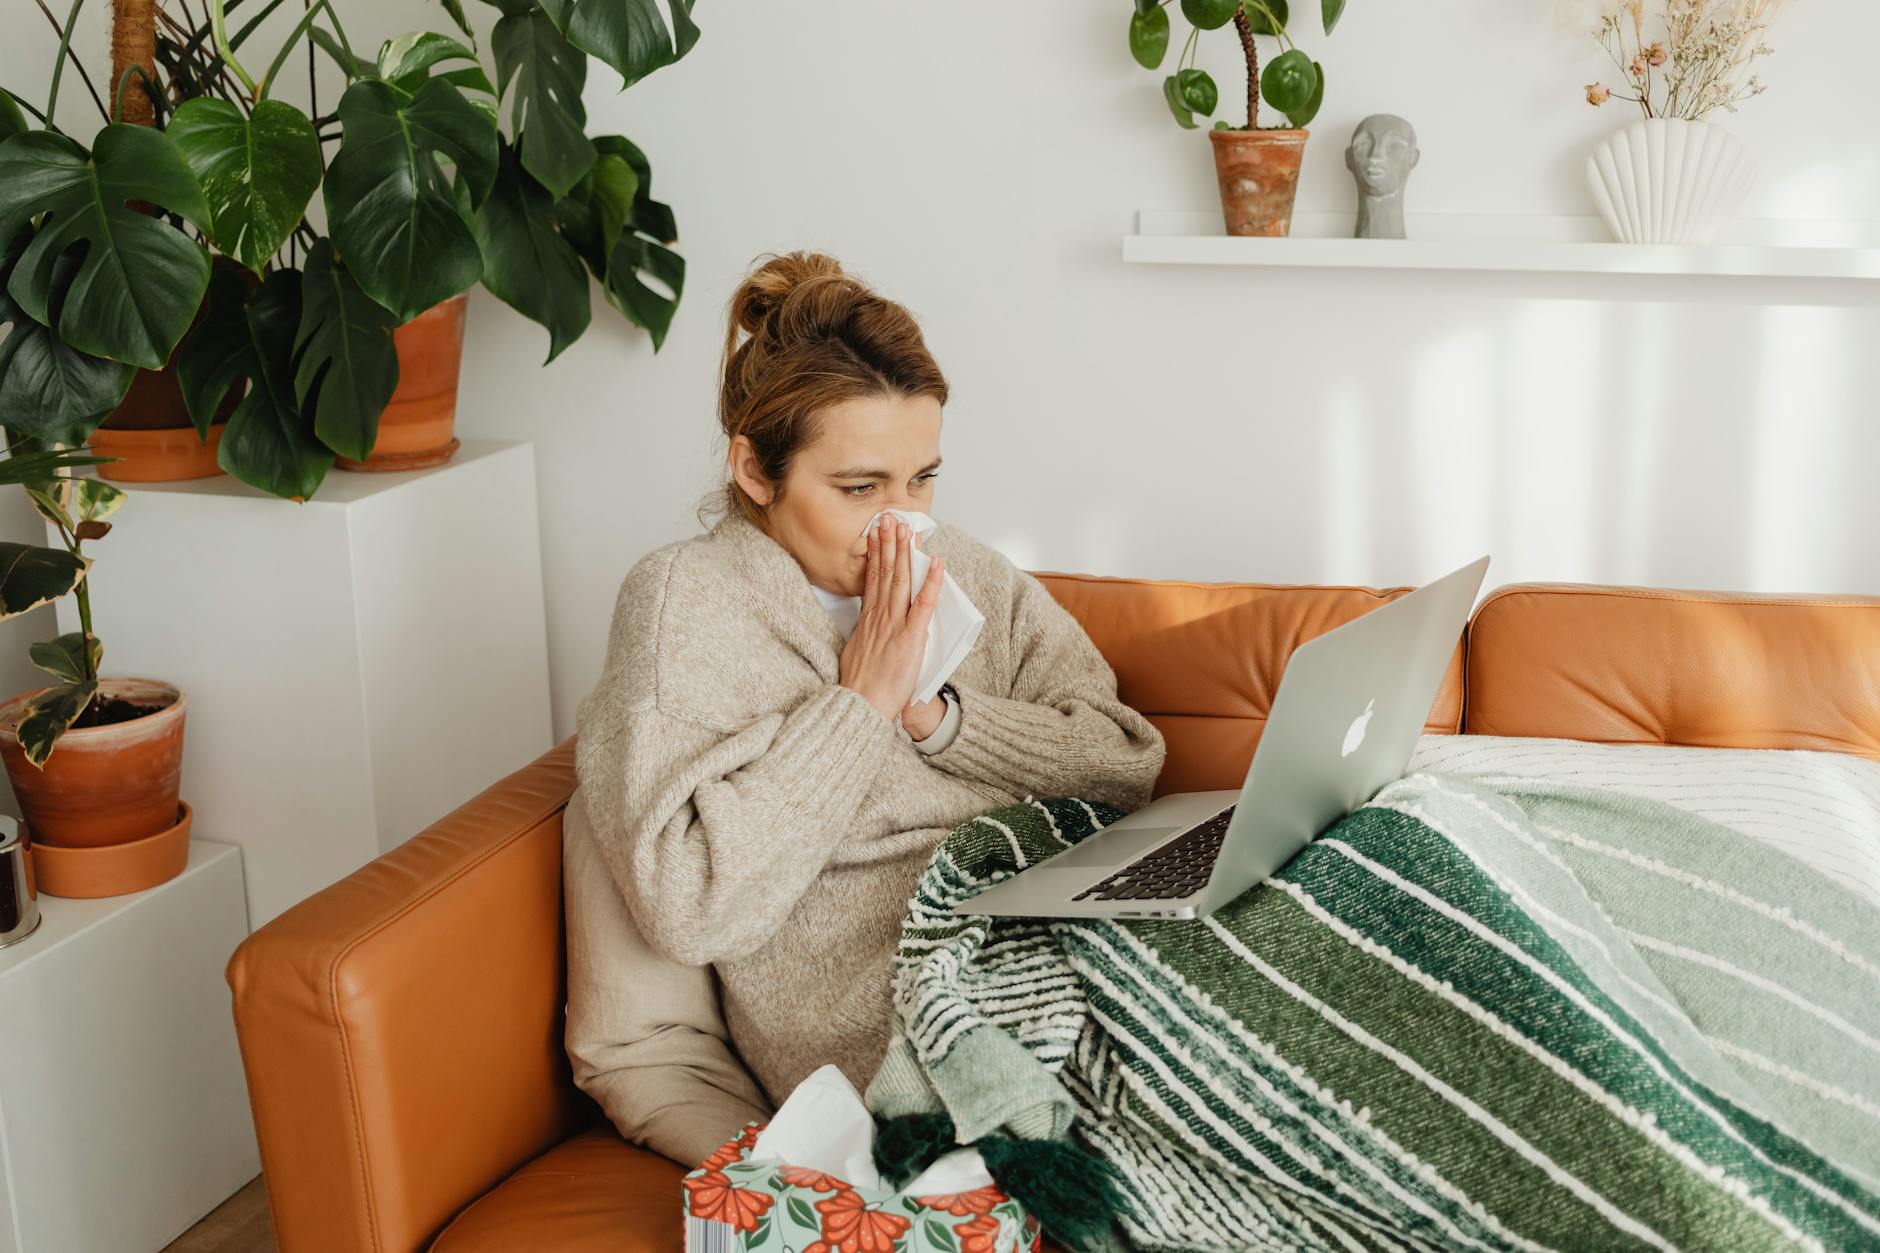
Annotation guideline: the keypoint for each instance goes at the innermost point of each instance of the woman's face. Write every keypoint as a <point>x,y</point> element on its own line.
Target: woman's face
<point>872,453</point>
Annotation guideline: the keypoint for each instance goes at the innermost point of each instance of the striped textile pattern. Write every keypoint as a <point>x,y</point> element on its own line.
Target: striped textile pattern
<point>1490,1012</point>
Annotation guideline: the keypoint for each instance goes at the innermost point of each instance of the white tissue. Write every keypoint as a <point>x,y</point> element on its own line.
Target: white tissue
<point>823,1125</point>
<point>956,620</point>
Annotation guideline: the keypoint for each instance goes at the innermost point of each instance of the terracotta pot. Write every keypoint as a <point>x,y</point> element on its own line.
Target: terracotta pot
<point>162,455</point>
<point>1259,176</point>
<point>102,785</point>
<point>415,430</point>
<point>151,435</point>
<point>114,869</point>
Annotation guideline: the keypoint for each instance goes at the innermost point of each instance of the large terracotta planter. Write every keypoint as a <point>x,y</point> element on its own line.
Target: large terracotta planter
<point>103,785</point>
<point>1259,177</point>
<point>150,433</point>
<point>417,428</point>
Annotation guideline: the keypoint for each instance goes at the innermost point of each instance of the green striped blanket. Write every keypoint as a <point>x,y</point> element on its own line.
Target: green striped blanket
<point>1507,1015</point>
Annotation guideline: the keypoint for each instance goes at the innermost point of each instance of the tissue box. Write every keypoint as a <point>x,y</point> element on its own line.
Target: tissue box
<point>733,1204</point>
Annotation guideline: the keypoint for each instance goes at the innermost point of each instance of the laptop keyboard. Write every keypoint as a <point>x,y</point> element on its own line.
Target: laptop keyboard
<point>1178,868</point>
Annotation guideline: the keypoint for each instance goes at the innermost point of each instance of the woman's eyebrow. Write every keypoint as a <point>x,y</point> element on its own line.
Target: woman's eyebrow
<point>858,472</point>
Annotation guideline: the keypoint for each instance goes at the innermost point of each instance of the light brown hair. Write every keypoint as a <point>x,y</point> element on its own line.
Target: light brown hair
<point>817,336</point>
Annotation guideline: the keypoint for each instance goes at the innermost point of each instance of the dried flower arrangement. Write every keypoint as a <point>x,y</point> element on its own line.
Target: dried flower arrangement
<point>1702,62</point>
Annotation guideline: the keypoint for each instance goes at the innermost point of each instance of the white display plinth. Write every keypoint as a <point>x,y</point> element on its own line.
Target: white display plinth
<point>356,666</point>
<point>123,1113</point>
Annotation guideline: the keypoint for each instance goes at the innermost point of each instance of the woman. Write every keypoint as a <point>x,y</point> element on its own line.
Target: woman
<point>757,793</point>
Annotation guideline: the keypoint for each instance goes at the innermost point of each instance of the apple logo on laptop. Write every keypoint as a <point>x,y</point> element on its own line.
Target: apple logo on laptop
<point>1354,734</point>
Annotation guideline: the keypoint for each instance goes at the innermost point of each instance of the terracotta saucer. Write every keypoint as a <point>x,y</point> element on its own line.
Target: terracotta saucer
<point>114,869</point>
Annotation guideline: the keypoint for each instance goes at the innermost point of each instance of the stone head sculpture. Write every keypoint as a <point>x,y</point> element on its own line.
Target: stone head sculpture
<point>1382,153</point>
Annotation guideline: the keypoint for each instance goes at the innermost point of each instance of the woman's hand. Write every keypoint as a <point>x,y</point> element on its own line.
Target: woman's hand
<point>882,657</point>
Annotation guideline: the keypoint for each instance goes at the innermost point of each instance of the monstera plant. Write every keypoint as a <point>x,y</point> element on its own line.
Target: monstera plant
<point>187,242</point>
<point>1258,168</point>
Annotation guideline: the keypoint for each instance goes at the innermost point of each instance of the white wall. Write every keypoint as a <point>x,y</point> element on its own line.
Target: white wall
<point>981,160</point>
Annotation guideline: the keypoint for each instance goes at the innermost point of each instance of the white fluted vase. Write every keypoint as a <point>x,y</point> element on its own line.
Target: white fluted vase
<point>1668,181</point>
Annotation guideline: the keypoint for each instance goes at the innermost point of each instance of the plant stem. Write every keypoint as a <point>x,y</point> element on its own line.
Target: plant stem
<point>83,595</point>
<point>219,23</point>
<point>1253,66</point>
<point>58,65</point>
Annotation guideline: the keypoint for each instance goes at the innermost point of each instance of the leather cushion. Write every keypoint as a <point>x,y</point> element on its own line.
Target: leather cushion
<point>1630,665</point>
<point>592,1193</point>
<point>1203,660</point>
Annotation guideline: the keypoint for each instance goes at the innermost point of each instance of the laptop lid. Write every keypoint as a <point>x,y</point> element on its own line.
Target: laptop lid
<point>1350,706</point>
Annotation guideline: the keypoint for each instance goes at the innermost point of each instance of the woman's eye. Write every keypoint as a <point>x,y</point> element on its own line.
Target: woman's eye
<point>858,489</point>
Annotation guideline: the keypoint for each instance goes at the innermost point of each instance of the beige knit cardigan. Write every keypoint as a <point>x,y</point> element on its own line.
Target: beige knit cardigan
<point>759,817</point>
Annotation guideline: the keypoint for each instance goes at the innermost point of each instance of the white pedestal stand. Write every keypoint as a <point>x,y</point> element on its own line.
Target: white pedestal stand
<point>123,1113</point>
<point>356,666</point>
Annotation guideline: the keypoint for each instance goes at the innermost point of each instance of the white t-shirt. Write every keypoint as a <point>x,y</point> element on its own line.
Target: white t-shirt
<point>844,611</point>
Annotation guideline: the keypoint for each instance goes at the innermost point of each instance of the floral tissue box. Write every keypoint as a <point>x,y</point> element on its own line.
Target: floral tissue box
<point>733,1205</point>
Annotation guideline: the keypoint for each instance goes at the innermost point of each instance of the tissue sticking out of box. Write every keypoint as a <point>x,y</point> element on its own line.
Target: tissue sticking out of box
<point>824,1126</point>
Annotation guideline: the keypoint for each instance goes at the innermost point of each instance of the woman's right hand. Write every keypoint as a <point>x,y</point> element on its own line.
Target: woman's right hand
<point>882,657</point>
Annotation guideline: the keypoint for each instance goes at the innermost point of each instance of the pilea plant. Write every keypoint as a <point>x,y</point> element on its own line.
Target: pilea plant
<point>1292,83</point>
<point>439,177</point>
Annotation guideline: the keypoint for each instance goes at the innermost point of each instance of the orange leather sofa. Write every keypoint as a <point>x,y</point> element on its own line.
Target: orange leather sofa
<point>402,1030</point>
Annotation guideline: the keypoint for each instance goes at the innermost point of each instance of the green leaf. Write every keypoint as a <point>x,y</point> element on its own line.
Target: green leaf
<point>801,1212</point>
<point>348,364</point>
<point>49,389</point>
<point>938,1236</point>
<point>1197,90</point>
<point>469,78</point>
<point>546,112</point>
<point>31,576</point>
<point>1148,36</point>
<point>257,172</point>
<point>455,9</point>
<point>34,465</point>
<point>12,120</point>
<point>50,716</point>
<point>1172,92</point>
<point>390,207</point>
<point>1330,11</point>
<point>1302,118</point>
<point>95,499</point>
<point>64,657</point>
<point>1259,21</point>
<point>1210,14</point>
<point>640,250</point>
<point>140,280</point>
<point>629,35</point>
<point>268,443</point>
<point>1288,81</point>
<point>406,60</point>
<point>615,188</point>
<point>526,263</point>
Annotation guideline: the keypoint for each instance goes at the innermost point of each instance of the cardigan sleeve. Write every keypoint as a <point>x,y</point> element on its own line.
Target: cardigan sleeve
<point>1060,730</point>
<point>713,838</point>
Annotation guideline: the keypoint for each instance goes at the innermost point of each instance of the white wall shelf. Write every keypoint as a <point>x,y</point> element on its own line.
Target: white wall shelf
<point>1814,251</point>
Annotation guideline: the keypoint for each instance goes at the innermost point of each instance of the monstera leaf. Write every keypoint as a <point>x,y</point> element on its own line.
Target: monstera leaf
<point>347,364</point>
<point>268,443</point>
<point>629,35</point>
<point>48,389</point>
<point>526,262</point>
<point>621,232</point>
<point>547,116</point>
<point>139,280</point>
<point>391,209</point>
<point>12,121</point>
<point>405,62</point>
<point>257,171</point>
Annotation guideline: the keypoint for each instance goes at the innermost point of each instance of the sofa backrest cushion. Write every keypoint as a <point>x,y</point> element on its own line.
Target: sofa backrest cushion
<point>1203,660</point>
<point>1632,665</point>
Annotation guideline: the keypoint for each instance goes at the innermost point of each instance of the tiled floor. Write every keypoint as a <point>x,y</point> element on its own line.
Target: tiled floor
<point>240,1224</point>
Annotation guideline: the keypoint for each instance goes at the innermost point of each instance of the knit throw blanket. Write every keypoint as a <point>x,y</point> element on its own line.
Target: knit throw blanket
<point>1514,1015</point>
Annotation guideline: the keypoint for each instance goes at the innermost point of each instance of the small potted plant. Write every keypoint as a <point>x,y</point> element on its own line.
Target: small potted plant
<point>1258,168</point>
<point>1671,177</point>
<point>103,810</point>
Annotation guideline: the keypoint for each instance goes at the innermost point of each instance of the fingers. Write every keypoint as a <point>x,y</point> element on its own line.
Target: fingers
<point>924,606</point>
<point>871,578</point>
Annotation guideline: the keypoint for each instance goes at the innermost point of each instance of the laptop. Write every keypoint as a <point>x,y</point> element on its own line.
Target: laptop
<point>1344,722</point>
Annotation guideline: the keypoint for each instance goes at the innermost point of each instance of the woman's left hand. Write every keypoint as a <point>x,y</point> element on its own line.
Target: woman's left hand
<point>924,718</point>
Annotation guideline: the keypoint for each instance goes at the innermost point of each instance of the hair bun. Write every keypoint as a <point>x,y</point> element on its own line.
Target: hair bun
<point>787,282</point>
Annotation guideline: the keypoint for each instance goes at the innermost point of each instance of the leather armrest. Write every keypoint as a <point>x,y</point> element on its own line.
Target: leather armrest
<point>402,1029</point>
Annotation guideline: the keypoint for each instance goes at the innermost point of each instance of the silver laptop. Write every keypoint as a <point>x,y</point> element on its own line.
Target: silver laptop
<point>1344,723</point>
